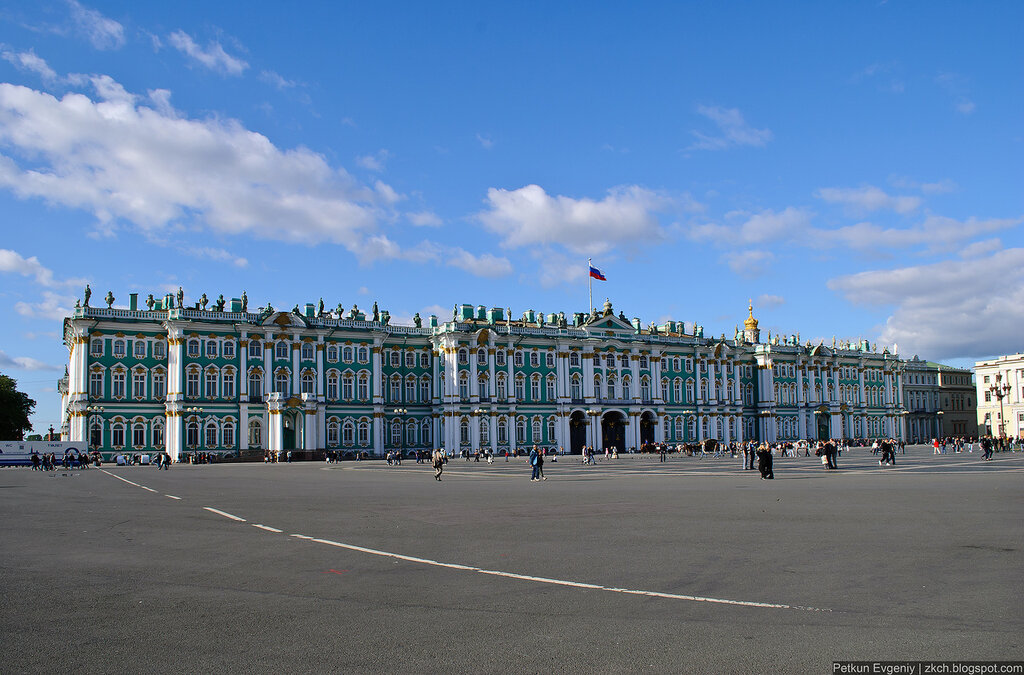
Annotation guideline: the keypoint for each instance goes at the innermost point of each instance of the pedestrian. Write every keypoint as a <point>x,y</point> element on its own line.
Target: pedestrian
<point>764,462</point>
<point>534,459</point>
<point>438,459</point>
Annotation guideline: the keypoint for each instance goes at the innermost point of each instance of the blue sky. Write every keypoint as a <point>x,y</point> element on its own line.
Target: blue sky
<point>855,168</point>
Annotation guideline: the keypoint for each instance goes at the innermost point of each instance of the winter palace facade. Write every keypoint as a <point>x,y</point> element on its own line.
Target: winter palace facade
<point>227,380</point>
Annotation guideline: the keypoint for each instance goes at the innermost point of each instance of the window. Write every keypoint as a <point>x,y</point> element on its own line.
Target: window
<point>117,384</point>
<point>139,349</point>
<point>308,383</point>
<point>211,435</point>
<point>281,350</point>
<point>574,359</point>
<point>463,356</point>
<point>481,357</point>
<point>425,389</point>
<point>193,348</point>
<point>364,355</point>
<point>211,349</point>
<point>211,383</point>
<point>158,435</point>
<point>363,387</point>
<point>119,349</point>
<point>159,386</point>
<point>96,384</point>
<point>229,435</point>
<point>485,431</point>
<point>535,431</point>
<point>502,431</point>
<point>332,353</point>
<point>551,389</point>
<point>255,349</point>
<point>346,386</point>
<point>228,383</point>
<point>611,387</point>
<point>281,382</point>
<point>549,359</point>
<point>364,432</point>
<point>664,389</point>
<point>625,388</point>
<point>346,354</point>
<point>117,435</point>
<point>551,430</point>
<point>520,387</point>
<point>645,388</point>
<point>424,359</point>
<point>307,352</point>
<point>577,390</point>
<point>464,385</point>
<point>410,389</point>
<point>255,434</point>
<point>499,358</point>
<point>481,384</point>
<point>410,360</point>
<point>624,360</point>
<point>464,431</point>
<point>138,435</point>
<point>332,433</point>
<point>159,350</point>
<point>534,359</point>
<point>535,387</point>
<point>228,350</point>
<point>501,391</point>
<point>139,384</point>
<point>520,430</point>
<point>95,433</point>
<point>192,434</point>
<point>255,383</point>
<point>394,390</point>
<point>393,358</point>
<point>96,347</point>
<point>517,359</point>
<point>348,433</point>
<point>332,386</point>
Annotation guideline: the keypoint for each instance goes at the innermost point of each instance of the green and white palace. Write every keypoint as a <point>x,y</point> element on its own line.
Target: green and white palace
<point>216,377</point>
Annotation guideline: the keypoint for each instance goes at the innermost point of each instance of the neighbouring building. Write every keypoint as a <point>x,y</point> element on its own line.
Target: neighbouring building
<point>940,401</point>
<point>1000,392</point>
<point>224,379</point>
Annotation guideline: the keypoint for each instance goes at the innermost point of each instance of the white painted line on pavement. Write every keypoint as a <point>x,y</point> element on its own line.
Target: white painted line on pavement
<point>173,497</point>
<point>119,478</point>
<point>558,582</point>
<point>147,488</point>
<point>224,513</point>
<point>268,529</point>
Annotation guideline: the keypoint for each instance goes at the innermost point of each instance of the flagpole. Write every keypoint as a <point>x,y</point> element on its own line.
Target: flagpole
<point>590,287</point>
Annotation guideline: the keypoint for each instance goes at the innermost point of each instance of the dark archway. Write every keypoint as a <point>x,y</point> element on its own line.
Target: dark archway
<point>823,430</point>
<point>290,423</point>
<point>577,432</point>
<point>613,431</point>
<point>647,422</point>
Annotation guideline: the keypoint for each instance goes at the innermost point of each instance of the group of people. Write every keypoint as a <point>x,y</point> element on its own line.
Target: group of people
<point>48,460</point>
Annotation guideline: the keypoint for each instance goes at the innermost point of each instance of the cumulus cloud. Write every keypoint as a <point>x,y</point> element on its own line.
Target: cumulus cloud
<point>276,80</point>
<point>212,56</point>
<point>24,363</point>
<point>52,306</point>
<point>934,234</point>
<point>733,131</point>
<point>765,226</point>
<point>555,269</point>
<point>951,309</point>
<point>934,188</point>
<point>375,162</point>
<point>768,300</point>
<point>530,216</point>
<point>868,198</point>
<point>485,265</point>
<point>424,219</point>
<point>749,263</point>
<point>12,261</point>
<point>102,32</point>
<point>127,162</point>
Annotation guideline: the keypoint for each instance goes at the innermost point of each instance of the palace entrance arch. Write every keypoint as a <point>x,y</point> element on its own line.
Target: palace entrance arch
<point>577,432</point>
<point>613,430</point>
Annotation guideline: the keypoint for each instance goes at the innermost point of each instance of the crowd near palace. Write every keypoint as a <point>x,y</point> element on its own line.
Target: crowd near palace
<point>216,377</point>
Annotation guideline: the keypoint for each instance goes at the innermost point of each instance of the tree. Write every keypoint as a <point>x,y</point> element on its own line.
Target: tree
<point>34,437</point>
<point>15,408</point>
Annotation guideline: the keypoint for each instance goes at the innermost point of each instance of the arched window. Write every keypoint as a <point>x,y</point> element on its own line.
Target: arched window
<point>499,358</point>
<point>395,390</point>
<point>551,430</point>
<point>535,436</point>
<point>703,390</point>
<point>138,435</point>
<point>363,387</point>
<point>464,431</point>
<point>193,348</point>
<point>535,387</point>
<point>211,435</point>
<point>520,387</point>
<point>192,434</point>
<point>485,431</point>
<point>212,378</point>
<point>679,429</point>
<point>410,433</point>
<point>464,385</point>
<point>425,389</point>
<point>597,386</point>
<point>281,381</point>
<point>577,386</point>
<point>393,357</point>
<point>677,390</point>
<point>346,354</point>
<point>348,433</point>
<point>332,353</point>
<point>549,359</point>
<point>574,359</point>
<point>255,382</point>
<point>307,353</point>
<point>502,389</point>
<point>363,354</point>
<point>502,431</point>
<point>281,351</point>
<point>255,348</point>
<point>520,430</point>
<point>347,380</point>
<point>534,359</point>
<point>227,384</point>
<point>255,434</point>
<point>332,433</point>
<point>229,434</point>
<point>626,393</point>
<point>117,383</point>
<point>664,389</point>
<point>396,433</point>
<point>645,388</point>
<point>410,389</point>
<point>364,432</point>
<point>481,386</point>
<point>463,356</point>
<point>643,361</point>
<point>308,383</point>
<point>332,386</point>
<point>117,435</point>
<point>481,357</point>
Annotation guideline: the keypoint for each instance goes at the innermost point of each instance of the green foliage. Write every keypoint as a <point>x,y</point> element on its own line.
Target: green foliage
<point>15,408</point>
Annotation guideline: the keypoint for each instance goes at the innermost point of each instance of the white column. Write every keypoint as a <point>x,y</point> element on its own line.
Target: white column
<point>268,367</point>
<point>378,433</point>
<point>492,386</point>
<point>243,368</point>
<point>320,369</point>
<point>712,382</point>
<point>296,348</point>
<point>632,431</point>
<point>435,390</point>
<point>377,378</point>
<point>863,397</point>
<point>512,440</point>
<point>492,425</point>
<point>588,376</point>
<point>736,382</point>
<point>474,387</point>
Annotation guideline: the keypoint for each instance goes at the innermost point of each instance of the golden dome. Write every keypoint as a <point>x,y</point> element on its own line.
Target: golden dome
<point>750,323</point>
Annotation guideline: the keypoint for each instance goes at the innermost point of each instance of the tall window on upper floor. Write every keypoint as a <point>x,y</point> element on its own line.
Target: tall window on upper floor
<point>626,393</point>
<point>643,361</point>
<point>664,389</point>
<point>227,389</point>
<point>517,359</point>
<point>139,384</point>
<point>139,349</point>
<point>281,350</point>
<point>307,351</point>
<point>363,355</point>
<point>611,388</point>
<point>481,386</point>
<point>96,384</point>
<point>255,383</point>
<point>577,387</point>
<point>332,386</point>
<point>393,358</point>
<point>308,383</point>
<point>117,384</point>
<point>481,357</point>
<point>464,386</point>
<point>549,359</point>
<point>424,359</point>
<point>159,386</point>
<point>645,388</point>
<point>501,390</point>
<point>535,388</point>
<point>624,361</point>
<point>192,384</point>
<point>574,359</point>
<point>255,349</point>
<point>410,389</point>
<point>463,357</point>
<point>159,349</point>
<point>211,383</point>
<point>551,388</point>
<point>211,348</point>
<point>347,383</point>
<point>332,353</point>
<point>96,347</point>
<point>281,381</point>
<point>410,360</point>
<point>192,348</point>
<point>499,358</point>
<point>363,387</point>
<point>534,359</point>
<point>346,354</point>
<point>520,388</point>
<point>425,389</point>
<point>228,349</point>
<point>119,349</point>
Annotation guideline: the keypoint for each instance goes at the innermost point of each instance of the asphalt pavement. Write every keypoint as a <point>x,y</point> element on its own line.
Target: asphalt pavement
<point>632,565</point>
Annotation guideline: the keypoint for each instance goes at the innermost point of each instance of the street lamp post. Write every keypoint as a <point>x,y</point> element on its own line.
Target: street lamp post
<point>938,416</point>
<point>401,413</point>
<point>593,412</point>
<point>94,409</point>
<point>1000,391</point>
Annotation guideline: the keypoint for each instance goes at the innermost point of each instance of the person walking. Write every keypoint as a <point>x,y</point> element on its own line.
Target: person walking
<point>764,462</point>
<point>438,459</point>
<point>534,458</point>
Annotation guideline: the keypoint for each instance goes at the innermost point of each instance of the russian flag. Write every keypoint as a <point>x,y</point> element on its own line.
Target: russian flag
<point>596,274</point>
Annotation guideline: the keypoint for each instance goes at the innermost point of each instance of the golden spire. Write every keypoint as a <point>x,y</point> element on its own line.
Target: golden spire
<point>750,323</point>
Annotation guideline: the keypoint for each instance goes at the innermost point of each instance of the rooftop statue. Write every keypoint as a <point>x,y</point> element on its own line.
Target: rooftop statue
<point>109,299</point>
<point>220,303</point>
<point>150,302</point>
<point>416,320</point>
<point>88,294</point>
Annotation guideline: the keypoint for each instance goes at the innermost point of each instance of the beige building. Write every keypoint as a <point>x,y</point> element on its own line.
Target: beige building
<point>1000,391</point>
<point>940,401</point>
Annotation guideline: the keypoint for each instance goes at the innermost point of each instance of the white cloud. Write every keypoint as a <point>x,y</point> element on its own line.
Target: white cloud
<point>52,306</point>
<point>766,226</point>
<point>486,142</point>
<point>951,309</point>
<point>768,300</point>
<point>934,234</point>
<point>124,161</point>
<point>751,263</point>
<point>24,363</point>
<point>980,248</point>
<point>424,219</point>
<point>965,106</point>
<point>868,198</point>
<point>102,32</point>
<point>213,56</point>
<point>935,188</point>
<point>12,261</point>
<point>375,162</point>
<point>277,80</point>
<point>733,130</point>
<point>529,216</point>
<point>485,265</point>
<point>217,254</point>
<point>30,62</point>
